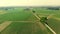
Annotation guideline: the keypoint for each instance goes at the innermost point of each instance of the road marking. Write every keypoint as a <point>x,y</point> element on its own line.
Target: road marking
<point>50,29</point>
<point>4,25</point>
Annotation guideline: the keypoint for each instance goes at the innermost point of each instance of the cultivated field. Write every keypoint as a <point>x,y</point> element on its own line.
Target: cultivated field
<point>21,21</point>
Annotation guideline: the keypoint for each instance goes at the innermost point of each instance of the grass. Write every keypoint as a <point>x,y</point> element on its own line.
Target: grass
<point>23,28</point>
<point>54,24</point>
<point>28,28</point>
<point>15,16</point>
<point>18,28</point>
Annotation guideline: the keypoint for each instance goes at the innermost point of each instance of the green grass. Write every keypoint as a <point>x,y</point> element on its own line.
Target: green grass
<point>15,16</point>
<point>23,28</point>
<point>54,24</point>
<point>18,28</point>
<point>27,28</point>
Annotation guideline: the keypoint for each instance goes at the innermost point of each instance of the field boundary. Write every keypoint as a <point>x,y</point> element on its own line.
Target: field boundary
<point>22,21</point>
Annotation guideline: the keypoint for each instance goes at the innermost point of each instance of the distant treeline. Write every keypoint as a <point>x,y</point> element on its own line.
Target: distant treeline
<point>53,8</point>
<point>49,8</point>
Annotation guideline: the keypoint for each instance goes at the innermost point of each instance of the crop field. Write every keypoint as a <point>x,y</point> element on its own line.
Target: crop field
<point>21,21</point>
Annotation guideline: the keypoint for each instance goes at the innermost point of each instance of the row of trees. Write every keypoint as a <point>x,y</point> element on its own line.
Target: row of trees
<point>51,8</point>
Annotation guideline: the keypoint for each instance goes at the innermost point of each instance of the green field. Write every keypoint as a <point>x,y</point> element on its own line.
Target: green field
<point>31,27</point>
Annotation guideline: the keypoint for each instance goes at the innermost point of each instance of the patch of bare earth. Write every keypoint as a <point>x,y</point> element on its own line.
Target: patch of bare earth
<point>4,25</point>
<point>2,12</point>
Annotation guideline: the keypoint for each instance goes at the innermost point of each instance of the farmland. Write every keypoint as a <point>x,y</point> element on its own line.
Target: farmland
<point>24,22</point>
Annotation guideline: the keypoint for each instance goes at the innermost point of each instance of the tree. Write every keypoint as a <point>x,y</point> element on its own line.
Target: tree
<point>44,20</point>
<point>33,11</point>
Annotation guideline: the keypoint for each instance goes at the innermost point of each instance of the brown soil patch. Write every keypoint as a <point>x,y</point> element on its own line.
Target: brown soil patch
<point>4,25</point>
